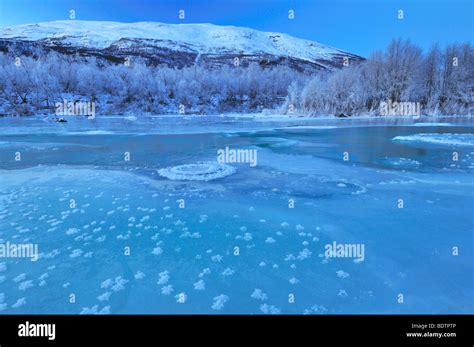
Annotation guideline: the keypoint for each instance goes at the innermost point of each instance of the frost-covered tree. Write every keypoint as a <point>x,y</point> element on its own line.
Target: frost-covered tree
<point>457,79</point>
<point>441,81</point>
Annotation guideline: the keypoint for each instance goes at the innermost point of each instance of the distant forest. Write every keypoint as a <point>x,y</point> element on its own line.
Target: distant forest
<point>440,80</point>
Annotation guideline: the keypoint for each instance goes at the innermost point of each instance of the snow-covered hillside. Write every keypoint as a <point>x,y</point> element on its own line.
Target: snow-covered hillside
<point>172,44</point>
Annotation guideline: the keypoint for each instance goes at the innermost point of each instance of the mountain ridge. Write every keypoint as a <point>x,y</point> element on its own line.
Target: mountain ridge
<point>175,45</point>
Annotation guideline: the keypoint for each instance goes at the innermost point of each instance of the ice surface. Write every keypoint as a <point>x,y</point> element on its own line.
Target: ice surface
<point>439,139</point>
<point>192,250</point>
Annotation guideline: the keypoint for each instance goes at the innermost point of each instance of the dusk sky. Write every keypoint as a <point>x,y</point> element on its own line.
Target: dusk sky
<point>357,26</point>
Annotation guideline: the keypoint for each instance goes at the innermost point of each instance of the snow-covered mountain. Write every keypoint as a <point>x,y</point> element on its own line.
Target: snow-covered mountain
<point>176,45</point>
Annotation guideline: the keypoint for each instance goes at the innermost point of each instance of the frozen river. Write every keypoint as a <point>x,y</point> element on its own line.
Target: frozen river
<point>126,222</point>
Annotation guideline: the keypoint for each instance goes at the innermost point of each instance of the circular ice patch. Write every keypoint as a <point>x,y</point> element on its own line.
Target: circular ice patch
<point>197,172</point>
